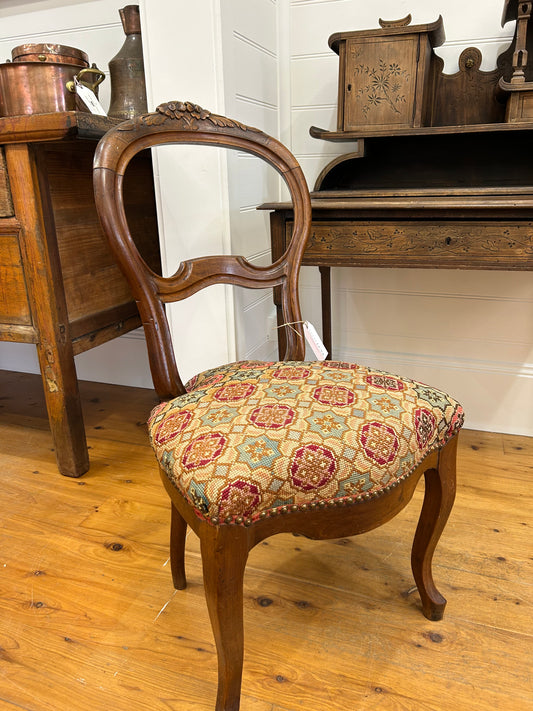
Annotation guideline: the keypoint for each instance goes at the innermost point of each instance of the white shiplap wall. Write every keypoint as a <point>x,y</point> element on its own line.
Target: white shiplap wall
<point>184,61</point>
<point>252,95</point>
<point>469,332</point>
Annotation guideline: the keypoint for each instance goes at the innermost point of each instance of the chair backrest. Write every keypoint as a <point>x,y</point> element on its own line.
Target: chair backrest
<point>186,123</point>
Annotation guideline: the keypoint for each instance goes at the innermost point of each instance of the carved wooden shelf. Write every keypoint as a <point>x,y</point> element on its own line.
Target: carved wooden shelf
<point>391,80</point>
<point>339,136</point>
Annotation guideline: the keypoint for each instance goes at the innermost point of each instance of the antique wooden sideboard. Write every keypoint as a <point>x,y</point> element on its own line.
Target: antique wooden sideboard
<point>442,176</point>
<point>437,197</point>
<point>59,285</point>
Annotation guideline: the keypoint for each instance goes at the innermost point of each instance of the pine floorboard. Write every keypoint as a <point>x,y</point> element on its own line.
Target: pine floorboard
<point>89,620</point>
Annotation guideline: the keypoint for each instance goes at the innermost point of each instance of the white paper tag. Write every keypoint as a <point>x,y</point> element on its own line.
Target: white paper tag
<point>89,99</point>
<point>314,340</point>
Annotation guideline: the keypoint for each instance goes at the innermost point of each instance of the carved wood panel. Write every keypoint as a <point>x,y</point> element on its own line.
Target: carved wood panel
<point>380,82</point>
<point>468,96</point>
<point>435,244</point>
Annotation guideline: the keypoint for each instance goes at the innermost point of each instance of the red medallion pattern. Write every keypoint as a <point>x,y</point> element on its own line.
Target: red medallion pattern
<point>334,395</point>
<point>172,426</point>
<point>380,442</point>
<point>385,381</point>
<point>290,372</point>
<point>341,365</point>
<point>295,434</point>
<point>239,498</point>
<point>312,467</point>
<point>272,417</point>
<point>234,392</point>
<point>193,382</point>
<point>203,450</point>
<point>425,424</point>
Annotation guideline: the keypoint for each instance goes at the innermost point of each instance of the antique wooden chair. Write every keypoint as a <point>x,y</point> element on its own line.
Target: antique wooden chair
<point>251,449</point>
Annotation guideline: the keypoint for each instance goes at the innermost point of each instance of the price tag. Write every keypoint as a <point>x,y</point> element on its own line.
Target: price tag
<point>89,99</point>
<point>314,340</point>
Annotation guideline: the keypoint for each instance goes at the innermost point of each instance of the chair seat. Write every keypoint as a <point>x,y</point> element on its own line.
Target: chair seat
<point>250,438</point>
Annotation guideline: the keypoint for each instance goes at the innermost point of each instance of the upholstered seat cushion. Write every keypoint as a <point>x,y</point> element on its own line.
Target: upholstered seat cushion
<point>250,438</point>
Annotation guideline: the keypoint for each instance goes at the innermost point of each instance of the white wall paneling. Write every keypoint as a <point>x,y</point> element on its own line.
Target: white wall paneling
<point>252,95</point>
<point>184,60</point>
<point>437,326</point>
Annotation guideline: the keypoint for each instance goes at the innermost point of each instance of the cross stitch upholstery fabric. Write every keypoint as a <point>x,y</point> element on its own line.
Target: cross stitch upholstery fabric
<point>250,438</point>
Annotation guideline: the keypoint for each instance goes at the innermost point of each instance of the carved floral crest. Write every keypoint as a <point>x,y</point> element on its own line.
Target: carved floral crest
<point>191,117</point>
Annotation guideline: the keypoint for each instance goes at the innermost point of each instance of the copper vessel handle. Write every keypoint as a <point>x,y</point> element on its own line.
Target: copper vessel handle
<point>71,85</point>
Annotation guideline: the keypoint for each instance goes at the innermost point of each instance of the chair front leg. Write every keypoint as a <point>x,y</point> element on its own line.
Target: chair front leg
<point>224,553</point>
<point>438,501</point>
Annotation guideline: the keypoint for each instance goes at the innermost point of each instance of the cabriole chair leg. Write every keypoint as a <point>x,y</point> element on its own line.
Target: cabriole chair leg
<point>438,501</point>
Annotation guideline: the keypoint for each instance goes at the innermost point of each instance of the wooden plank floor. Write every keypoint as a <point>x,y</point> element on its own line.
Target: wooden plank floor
<point>89,620</point>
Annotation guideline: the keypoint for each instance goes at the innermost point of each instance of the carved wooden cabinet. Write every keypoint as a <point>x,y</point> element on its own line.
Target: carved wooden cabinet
<point>59,285</point>
<point>384,73</point>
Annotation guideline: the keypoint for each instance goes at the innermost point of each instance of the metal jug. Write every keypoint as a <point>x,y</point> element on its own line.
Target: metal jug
<point>126,69</point>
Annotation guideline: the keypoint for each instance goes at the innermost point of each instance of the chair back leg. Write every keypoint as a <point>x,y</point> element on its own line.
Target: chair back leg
<point>178,531</point>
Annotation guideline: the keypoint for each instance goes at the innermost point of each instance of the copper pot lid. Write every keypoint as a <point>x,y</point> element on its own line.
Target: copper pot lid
<point>51,53</point>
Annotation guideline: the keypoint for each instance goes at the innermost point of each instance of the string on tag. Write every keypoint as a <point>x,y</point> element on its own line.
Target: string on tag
<point>291,326</point>
<point>311,336</point>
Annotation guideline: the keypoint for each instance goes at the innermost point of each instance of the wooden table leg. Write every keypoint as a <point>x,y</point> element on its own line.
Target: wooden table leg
<point>325,290</point>
<point>282,339</point>
<point>42,270</point>
<point>63,404</point>
<point>278,236</point>
<point>278,239</point>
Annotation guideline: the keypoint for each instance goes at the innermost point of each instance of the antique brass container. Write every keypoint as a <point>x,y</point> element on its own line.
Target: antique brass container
<point>126,69</point>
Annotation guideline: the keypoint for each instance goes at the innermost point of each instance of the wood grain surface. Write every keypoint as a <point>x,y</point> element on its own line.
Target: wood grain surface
<point>6,205</point>
<point>499,245</point>
<point>89,619</point>
<point>14,305</point>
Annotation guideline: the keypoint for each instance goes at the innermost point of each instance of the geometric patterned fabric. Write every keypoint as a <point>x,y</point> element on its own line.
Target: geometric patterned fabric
<point>251,439</point>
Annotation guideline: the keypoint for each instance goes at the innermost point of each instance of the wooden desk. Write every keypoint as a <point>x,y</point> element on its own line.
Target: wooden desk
<point>446,197</point>
<point>59,285</point>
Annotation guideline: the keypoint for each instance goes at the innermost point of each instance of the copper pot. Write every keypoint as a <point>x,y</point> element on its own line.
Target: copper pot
<point>41,88</point>
<point>51,53</point>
